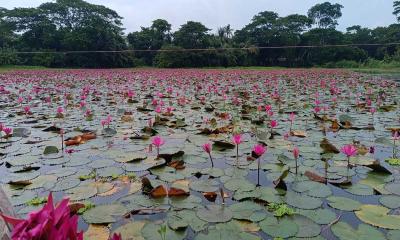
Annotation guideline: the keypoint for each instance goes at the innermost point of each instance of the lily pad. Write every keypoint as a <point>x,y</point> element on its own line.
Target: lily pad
<point>378,216</point>
<point>104,214</point>
<point>344,231</point>
<point>344,204</point>
<point>131,230</point>
<point>215,213</point>
<point>279,228</point>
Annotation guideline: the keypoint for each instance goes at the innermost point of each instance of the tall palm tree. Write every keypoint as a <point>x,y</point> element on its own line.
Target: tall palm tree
<point>396,5</point>
<point>225,33</point>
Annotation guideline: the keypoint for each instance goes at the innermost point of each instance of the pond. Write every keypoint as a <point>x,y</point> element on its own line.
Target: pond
<point>130,146</point>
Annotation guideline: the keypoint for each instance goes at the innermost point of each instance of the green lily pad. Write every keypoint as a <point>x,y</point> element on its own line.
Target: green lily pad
<point>104,214</point>
<point>378,216</point>
<point>393,235</point>
<point>50,150</point>
<point>208,185</point>
<point>247,210</point>
<point>390,201</point>
<point>63,184</point>
<point>279,227</point>
<point>312,189</point>
<point>344,231</point>
<point>185,218</point>
<point>215,213</point>
<point>344,204</point>
<point>360,189</point>
<point>302,201</point>
<point>230,230</point>
<point>393,188</point>
<point>131,230</point>
<point>239,184</point>
<point>320,216</point>
<point>184,202</point>
<point>307,228</point>
<point>149,232</point>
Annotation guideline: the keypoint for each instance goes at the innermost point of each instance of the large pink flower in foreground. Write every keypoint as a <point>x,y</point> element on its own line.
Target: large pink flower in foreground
<point>49,223</point>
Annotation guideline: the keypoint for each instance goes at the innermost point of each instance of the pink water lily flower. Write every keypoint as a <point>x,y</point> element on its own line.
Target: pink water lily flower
<point>237,139</point>
<point>50,222</point>
<point>296,152</point>
<point>60,110</point>
<point>158,142</point>
<point>27,109</point>
<point>103,122</point>
<point>207,147</point>
<point>372,110</point>
<point>116,236</point>
<point>259,150</point>
<point>349,150</point>
<point>292,116</point>
<point>273,123</point>
<point>8,131</point>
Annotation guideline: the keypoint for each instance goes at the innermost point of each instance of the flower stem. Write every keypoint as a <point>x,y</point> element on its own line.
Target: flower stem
<point>237,155</point>
<point>258,172</point>
<point>212,163</point>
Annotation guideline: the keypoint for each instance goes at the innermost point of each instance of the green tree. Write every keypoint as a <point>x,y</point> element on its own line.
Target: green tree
<point>192,35</point>
<point>325,15</point>
<point>69,25</point>
<point>396,12</point>
<point>225,34</point>
<point>150,38</point>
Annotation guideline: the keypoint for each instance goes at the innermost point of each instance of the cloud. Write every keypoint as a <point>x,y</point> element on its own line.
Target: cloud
<point>216,13</point>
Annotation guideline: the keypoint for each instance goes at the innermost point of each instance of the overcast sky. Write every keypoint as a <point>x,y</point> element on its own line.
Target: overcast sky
<point>216,13</point>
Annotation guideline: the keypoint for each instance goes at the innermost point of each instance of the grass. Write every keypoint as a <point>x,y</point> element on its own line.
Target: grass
<point>12,67</point>
<point>377,70</point>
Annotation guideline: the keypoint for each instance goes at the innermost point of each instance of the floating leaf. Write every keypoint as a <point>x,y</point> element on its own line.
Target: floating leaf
<point>344,231</point>
<point>131,230</point>
<point>50,150</point>
<point>215,213</point>
<point>378,216</point>
<point>104,214</point>
<point>344,204</point>
<point>97,232</point>
<point>282,227</point>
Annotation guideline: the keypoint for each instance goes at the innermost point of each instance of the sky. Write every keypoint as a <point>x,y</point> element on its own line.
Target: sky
<point>238,13</point>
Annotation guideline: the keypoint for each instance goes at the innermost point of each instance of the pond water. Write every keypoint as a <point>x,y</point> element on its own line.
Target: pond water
<point>106,157</point>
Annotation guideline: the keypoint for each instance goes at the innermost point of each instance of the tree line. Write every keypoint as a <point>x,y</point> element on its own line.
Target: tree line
<point>55,28</point>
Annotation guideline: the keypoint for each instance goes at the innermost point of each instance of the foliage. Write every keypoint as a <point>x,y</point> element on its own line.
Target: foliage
<point>37,201</point>
<point>88,205</point>
<point>325,14</point>
<point>396,5</point>
<point>280,209</point>
<point>67,25</point>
